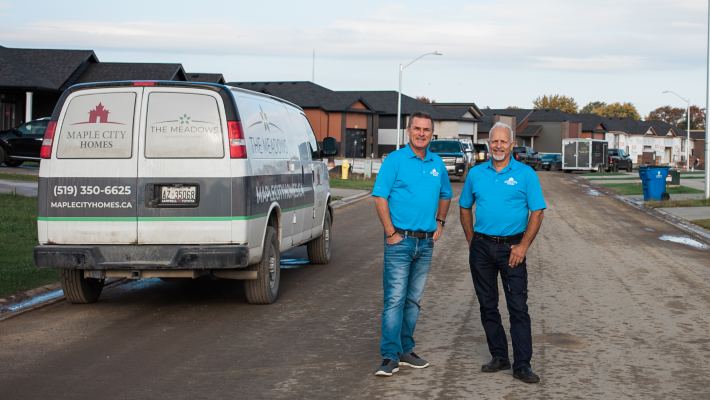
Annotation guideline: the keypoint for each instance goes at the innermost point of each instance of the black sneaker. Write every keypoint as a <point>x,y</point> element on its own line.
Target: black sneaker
<point>496,364</point>
<point>387,368</point>
<point>412,360</point>
<point>526,375</point>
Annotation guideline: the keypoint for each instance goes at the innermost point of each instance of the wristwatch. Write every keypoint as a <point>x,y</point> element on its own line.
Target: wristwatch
<point>441,221</point>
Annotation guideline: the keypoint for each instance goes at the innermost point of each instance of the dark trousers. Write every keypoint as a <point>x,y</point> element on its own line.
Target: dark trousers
<point>487,260</point>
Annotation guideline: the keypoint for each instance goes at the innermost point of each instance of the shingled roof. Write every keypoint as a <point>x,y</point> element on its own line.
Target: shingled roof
<point>519,113</point>
<point>106,72</point>
<point>310,95</point>
<point>42,68</point>
<point>530,131</point>
<point>207,78</point>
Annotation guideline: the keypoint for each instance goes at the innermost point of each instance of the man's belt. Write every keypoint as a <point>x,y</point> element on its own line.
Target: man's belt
<point>414,234</point>
<point>502,239</point>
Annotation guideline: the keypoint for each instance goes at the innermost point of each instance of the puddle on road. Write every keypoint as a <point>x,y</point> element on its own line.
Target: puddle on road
<point>293,263</point>
<point>648,229</point>
<point>685,240</point>
<point>582,185</point>
<point>593,192</point>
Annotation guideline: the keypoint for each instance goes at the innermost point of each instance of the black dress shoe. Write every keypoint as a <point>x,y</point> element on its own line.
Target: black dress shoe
<point>496,364</point>
<point>526,375</point>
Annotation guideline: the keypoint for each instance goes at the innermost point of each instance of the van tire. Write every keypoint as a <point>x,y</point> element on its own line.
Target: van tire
<point>265,288</point>
<point>80,290</point>
<point>319,248</point>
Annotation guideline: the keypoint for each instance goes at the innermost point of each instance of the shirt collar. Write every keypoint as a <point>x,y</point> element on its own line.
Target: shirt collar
<point>410,153</point>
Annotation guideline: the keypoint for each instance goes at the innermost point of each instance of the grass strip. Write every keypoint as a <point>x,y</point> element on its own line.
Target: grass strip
<point>628,189</point>
<point>352,184</point>
<point>705,223</point>
<point>19,177</point>
<point>18,236</point>
<point>679,203</point>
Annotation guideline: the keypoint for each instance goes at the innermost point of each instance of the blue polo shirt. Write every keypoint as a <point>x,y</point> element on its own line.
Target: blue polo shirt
<point>503,198</point>
<point>413,187</point>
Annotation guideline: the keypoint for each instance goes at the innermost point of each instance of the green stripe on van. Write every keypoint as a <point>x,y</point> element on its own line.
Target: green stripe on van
<point>89,219</point>
<point>152,219</point>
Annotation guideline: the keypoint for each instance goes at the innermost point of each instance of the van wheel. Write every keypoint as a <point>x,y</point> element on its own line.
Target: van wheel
<point>319,248</point>
<point>265,288</point>
<point>80,290</point>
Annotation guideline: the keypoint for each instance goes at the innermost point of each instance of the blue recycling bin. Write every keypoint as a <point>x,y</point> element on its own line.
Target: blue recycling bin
<point>653,180</point>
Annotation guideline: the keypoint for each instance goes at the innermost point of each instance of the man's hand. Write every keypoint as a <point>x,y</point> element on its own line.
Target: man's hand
<point>394,239</point>
<point>437,232</point>
<point>517,254</point>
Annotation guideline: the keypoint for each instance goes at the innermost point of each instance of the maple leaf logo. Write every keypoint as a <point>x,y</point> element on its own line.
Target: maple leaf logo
<point>185,120</point>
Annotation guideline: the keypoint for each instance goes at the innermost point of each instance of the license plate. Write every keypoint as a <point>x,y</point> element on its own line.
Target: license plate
<point>178,194</point>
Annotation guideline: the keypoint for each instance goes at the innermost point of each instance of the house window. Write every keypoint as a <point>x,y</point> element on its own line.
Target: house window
<point>682,145</point>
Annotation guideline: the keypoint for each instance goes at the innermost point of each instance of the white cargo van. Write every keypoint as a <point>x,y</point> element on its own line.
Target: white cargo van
<point>177,180</point>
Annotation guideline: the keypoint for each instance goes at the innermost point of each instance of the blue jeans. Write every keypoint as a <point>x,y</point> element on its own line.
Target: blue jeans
<point>487,260</point>
<point>406,269</point>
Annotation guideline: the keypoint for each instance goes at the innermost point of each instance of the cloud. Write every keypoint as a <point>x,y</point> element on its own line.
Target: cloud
<point>546,34</point>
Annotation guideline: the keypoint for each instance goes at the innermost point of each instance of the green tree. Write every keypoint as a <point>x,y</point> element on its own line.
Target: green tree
<point>697,118</point>
<point>589,108</point>
<point>556,102</point>
<point>512,108</point>
<point>621,110</point>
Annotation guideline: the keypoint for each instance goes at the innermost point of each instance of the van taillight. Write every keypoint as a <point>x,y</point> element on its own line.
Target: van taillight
<point>143,83</point>
<point>46,151</point>
<point>237,143</point>
<point>517,156</point>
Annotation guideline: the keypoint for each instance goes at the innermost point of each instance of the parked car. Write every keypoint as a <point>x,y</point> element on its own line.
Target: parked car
<point>618,159</point>
<point>453,153</point>
<point>552,161</point>
<point>22,143</point>
<point>179,180</point>
<point>480,153</point>
<point>527,155</point>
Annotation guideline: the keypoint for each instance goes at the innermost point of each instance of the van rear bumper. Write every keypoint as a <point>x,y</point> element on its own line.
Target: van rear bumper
<point>133,257</point>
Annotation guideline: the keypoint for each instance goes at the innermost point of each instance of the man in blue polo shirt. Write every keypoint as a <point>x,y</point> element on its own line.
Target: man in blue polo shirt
<point>412,195</point>
<point>504,191</point>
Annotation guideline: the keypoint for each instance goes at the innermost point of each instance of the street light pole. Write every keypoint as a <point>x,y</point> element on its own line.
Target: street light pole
<point>399,95</point>
<point>687,122</point>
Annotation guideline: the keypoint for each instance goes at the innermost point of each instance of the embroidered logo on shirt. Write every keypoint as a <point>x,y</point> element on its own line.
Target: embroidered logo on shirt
<point>433,172</point>
<point>511,181</point>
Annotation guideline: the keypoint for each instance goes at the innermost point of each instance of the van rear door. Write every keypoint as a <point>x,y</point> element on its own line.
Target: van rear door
<point>91,184</point>
<point>184,176</point>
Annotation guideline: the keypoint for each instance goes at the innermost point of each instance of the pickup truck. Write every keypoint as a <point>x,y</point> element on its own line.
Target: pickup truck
<point>618,159</point>
<point>455,157</point>
<point>528,156</point>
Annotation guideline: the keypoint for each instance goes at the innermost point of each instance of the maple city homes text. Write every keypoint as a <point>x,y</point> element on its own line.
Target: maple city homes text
<point>88,142</point>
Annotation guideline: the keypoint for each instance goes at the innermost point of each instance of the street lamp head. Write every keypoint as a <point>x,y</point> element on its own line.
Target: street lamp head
<point>666,91</point>
<point>436,53</point>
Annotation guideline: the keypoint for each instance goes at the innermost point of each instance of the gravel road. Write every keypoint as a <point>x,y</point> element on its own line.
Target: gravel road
<point>616,313</point>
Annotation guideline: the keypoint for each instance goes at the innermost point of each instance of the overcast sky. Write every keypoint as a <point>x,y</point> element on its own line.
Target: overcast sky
<point>495,53</point>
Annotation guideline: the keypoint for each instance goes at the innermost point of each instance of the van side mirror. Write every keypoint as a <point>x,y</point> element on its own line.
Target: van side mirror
<point>330,147</point>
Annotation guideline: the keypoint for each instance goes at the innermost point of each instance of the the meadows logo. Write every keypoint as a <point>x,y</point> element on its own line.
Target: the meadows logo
<point>659,175</point>
<point>511,181</point>
<point>184,124</point>
<point>433,172</point>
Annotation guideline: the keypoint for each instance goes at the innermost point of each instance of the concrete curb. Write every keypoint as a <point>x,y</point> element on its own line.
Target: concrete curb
<point>351,199</point>
<point>684,225</point>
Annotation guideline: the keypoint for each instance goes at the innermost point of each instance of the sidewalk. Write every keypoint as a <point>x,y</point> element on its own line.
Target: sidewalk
<point>343,193</point>
<point>689,213</point>
<point>20,170</point>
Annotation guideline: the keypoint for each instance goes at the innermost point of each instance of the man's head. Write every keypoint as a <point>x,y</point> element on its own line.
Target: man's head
<point>420,130</point>
<point>500,141</point>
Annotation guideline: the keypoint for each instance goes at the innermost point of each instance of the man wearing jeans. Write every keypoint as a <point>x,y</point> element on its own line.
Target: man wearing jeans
<point>504,192</point>
<point>412,195</point>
